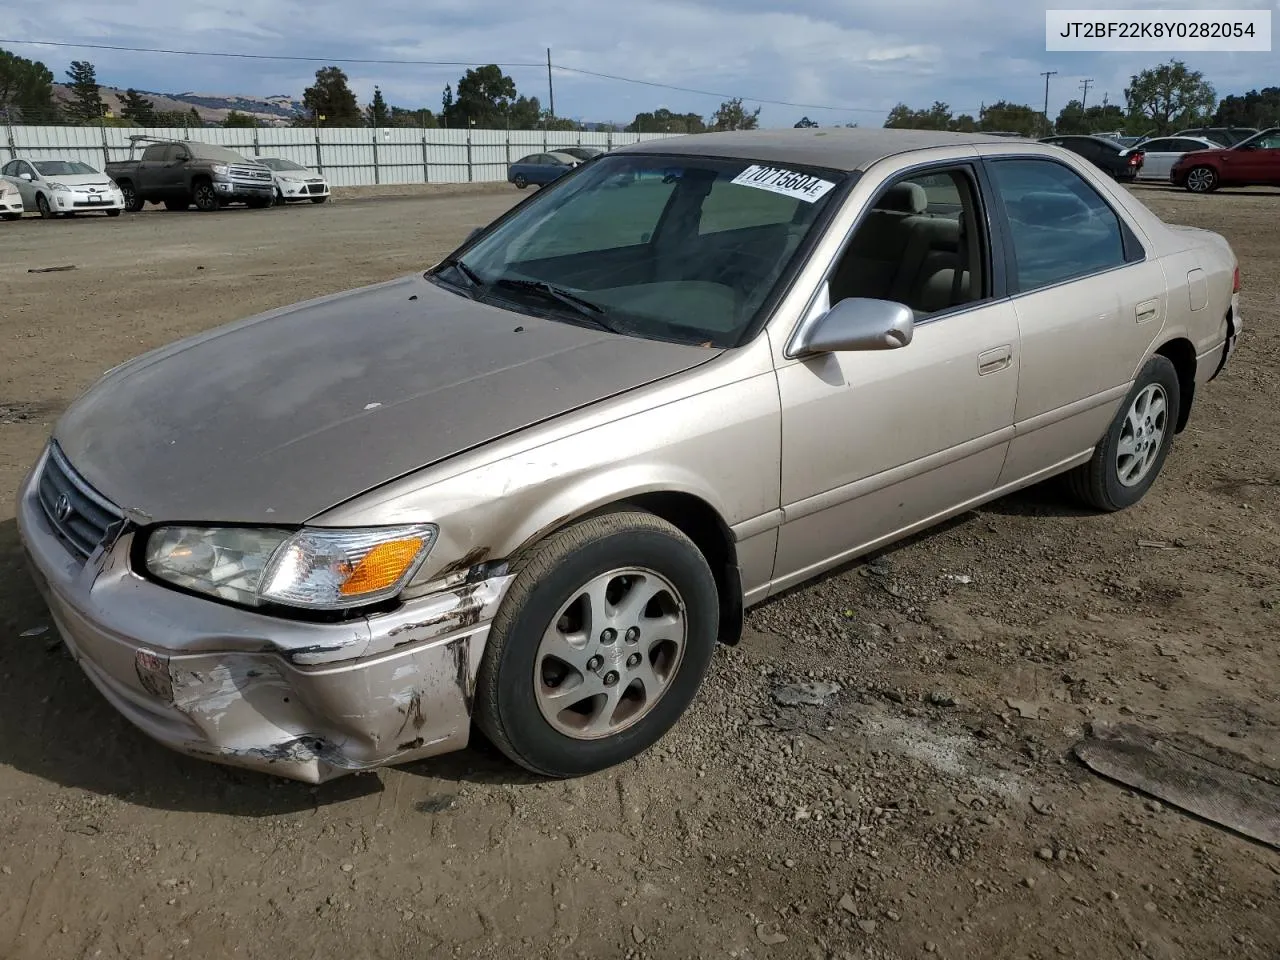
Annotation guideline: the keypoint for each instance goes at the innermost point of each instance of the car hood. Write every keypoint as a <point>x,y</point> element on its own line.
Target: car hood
<point>280,417</point>
<point>82,180</point>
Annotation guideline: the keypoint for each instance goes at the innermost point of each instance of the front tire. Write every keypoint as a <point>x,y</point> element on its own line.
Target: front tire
<point>206,198</point>
<point>42,204</point>
<point>132,202</point>
<point>1129,458</point>
<point>600,646</point>
<point>1202,180</point>
<point>521,180</point>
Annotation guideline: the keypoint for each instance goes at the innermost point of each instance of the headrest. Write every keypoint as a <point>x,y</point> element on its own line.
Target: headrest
<point>904,197</point>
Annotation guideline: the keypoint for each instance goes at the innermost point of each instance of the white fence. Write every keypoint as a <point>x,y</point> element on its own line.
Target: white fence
<point>347,157</point>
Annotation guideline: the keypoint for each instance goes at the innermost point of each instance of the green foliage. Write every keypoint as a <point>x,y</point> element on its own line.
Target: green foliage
<point>664,121</point>
<point>1168,97</point>
<point>548,122</point>
<point>237,119</point>
<point>1257,108</point>
<point>1100,118</point>
<point>485,98</point>
<point>330,102</point>
<point>26,89</point>
<point>1009,117</point>
<point>936,117</point>
<point>804,122</point>
<point>733,116</point>
<point>423,119</point>
<point>134,106</point>
<point>379,115</point>
<point>525,114</point>
<point>86,105</point>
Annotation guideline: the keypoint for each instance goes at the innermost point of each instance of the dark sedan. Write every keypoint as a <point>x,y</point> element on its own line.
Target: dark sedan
<point>540,168</point>
<point>1117,160</point>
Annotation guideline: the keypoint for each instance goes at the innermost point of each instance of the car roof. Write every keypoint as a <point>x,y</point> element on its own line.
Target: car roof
<point>836,149</point>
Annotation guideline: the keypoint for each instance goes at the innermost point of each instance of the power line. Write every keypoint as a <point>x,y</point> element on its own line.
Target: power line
<point>263,56</point>
<point>120,48</point>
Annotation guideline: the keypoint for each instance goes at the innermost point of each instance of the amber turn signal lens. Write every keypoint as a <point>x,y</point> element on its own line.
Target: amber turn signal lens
<point>381,567</point>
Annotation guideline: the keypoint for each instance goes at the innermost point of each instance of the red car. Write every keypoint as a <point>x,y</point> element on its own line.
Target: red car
<point>1250,163</point>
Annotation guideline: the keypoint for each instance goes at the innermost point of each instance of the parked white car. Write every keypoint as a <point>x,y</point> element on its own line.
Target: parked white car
<point>295,182</point>
<point>10,201</point>
<point>1161,153</point>
<point>63,187</point>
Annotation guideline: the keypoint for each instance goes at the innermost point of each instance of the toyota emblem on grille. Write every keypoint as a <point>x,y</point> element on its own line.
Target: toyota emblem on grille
<point>62,508</point>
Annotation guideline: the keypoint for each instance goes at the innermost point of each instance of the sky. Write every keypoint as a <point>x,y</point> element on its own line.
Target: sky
<point>858,58</point>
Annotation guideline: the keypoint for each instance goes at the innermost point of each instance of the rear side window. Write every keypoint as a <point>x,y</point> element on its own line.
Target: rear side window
<point>154,152</point>
<point>1059,226</point>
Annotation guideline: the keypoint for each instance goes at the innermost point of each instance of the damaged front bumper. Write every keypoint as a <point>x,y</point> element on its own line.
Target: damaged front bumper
<point>307,701</point>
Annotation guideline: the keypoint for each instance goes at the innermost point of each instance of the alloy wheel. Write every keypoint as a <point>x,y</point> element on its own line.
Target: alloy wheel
<point>1142,435</point>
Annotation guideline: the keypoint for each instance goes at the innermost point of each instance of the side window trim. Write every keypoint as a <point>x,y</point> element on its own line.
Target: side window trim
<point>993,228</point>
<point>1134,252</point>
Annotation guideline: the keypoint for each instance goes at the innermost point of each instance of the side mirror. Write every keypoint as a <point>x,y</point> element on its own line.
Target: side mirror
<point>473,234</point>
<point>858,323</point>
<point>25,176</point>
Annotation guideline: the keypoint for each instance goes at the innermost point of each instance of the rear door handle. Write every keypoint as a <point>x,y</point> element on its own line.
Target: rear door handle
<point>994,360</point>
<point>1148,310</point>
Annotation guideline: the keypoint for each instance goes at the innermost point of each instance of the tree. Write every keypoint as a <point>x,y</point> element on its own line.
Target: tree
<point>1011,117</point>
<point>1257,108</point>
<point>663,120</point>
<point>963,124</point>
<point>237,119</point>
<point>330,97</point>
<point>937,117</point>
<point>1169,96</point>
<point>134,106</point>
<point>549,122</point>
<point>26,88</point>
<point>526,114</point>
<point>378,112</point>
<point>86,104</point>
<point>447,103</point>
<point>1073,118</point>
<point>732,115</point>
<point>484,99</point>
<point>400,117</point>
<point>805,122</point>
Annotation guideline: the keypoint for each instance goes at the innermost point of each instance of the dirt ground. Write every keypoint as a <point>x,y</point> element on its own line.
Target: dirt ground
<point>917,814</point>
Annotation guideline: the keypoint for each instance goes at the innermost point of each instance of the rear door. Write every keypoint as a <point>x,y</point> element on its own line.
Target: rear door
<point>1089,303</point>
<point>1159,156</point>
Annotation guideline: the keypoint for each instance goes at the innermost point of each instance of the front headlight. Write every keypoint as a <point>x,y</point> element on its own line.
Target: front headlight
<point>316,568</point>
<point>220,169</point>
<point>58,187</point>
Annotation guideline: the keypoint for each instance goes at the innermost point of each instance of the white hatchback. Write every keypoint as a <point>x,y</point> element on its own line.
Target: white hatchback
<point>295,182</point>
<point>63,187</point>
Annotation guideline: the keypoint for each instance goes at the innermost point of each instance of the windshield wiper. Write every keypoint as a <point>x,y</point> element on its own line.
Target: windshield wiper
<point>472,277</point>
<point>580,305</point>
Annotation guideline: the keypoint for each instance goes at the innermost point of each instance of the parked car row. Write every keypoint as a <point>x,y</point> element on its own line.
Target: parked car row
<point>1197,160</point>
<point>177,174</point>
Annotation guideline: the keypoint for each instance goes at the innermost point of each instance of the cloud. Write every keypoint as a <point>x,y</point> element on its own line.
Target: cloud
<point>856,57</point>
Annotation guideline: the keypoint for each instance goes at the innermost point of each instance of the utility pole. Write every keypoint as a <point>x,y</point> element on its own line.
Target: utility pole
<point>1084,99</point>
<point>1047,74</point>
<point>551,90</point>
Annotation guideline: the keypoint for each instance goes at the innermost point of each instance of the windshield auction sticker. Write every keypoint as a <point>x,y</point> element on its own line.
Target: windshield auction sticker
<point>789,183</point>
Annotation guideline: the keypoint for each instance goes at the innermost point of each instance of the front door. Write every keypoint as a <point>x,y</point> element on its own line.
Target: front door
<point>879,443</point>
<point>1260,163</point>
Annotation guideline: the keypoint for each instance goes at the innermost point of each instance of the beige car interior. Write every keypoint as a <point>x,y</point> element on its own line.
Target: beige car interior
<point>906,251</point>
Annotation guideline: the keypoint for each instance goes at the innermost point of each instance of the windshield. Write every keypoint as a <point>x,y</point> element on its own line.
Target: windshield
<point>276,164</point>
<point>63,168</point>
<point>1265,140</point>
<point>673,248</point>
<point>207,151</point>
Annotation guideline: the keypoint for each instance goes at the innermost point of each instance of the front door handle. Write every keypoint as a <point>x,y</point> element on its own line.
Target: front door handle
<point>994,360</point>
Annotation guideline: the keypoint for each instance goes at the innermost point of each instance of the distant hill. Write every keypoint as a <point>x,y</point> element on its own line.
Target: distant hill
<point>211,107</point>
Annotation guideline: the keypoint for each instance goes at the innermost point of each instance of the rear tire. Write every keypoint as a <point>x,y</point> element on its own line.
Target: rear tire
<point>1129,457</point>
<point>646,663</point>
<point>132,202</point>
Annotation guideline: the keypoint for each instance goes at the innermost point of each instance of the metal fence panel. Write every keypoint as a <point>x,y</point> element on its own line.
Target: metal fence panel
<point>349,157</point>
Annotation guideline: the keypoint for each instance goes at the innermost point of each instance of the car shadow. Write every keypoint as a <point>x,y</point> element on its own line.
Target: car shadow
<point>56,726</point>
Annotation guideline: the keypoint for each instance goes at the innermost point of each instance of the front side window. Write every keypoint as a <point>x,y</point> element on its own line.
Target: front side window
<point>1059,226</point>
<point>677,248</point>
